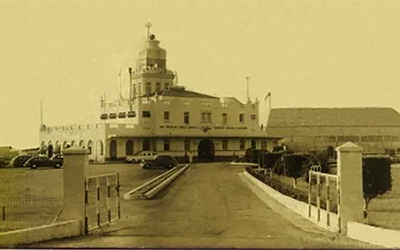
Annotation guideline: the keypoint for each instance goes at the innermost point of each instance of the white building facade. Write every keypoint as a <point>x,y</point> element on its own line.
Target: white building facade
<point>163,117</point>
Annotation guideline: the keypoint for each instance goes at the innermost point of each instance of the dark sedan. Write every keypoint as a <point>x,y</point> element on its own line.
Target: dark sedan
<point>164,161</point>
<point>41,161</point>
<point>19,161</point>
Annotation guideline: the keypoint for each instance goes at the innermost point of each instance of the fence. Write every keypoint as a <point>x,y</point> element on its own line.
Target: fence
<point>30,211</point>
<point>102,201</point>
<point>326,186</point>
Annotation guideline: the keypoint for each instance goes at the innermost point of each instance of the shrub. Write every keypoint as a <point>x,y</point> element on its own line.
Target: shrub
<point>269,159</point>
<point>377,179</point>
<point>289,190</point>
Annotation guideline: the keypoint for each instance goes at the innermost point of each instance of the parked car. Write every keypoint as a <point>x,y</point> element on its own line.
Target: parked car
<point>139,156</point>
<point>41,161</point>
<point>58,159</point>
<point>2,162</point>
<point>18,161</point>
<point>164,161</point>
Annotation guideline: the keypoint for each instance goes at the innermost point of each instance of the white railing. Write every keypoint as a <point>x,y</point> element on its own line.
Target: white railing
<point>323,186</point>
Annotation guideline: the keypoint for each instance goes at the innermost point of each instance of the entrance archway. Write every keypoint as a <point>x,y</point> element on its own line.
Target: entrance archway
<point>50,150</point>
<point>206,150</point>
<point>113,150</point>
<point>129,147</point>
<point>146,145</point>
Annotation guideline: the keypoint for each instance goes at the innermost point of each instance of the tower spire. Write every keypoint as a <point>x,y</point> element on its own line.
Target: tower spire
<point>148,26</point>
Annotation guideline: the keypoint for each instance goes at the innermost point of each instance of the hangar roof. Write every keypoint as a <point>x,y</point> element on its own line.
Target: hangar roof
<point>333,117</point>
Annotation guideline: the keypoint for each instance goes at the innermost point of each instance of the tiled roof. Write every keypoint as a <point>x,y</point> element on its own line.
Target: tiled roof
<point>182,93</point>
<point>325,117</point>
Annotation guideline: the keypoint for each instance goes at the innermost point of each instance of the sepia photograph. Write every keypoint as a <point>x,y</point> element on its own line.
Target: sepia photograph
<point>200,124</point>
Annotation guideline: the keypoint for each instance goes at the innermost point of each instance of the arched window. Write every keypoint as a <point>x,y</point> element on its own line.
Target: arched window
<point>42,147</point>
<point>253,144</point>
<point>166,145</point>
<point>57,148</point>
<point>263,145</point>
<point>100,147</point>
<point>129,147</point>
<point>242,144</point>
<point>82,144</point>
<point>187,145</point>
<point>89,146</point>
<point>72,143</point>
<point>64,145</point>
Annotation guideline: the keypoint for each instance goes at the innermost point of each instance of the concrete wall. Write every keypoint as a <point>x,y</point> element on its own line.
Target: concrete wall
<point>373,235</point>
<point>298,207</point>
<point>42,233</point>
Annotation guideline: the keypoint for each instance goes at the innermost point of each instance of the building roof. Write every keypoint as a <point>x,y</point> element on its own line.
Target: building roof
<point>333,117</point>
<point>182,92</point>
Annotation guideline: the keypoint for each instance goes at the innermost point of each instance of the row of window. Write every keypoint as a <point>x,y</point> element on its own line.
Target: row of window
<point>205,117</point>
<point>187,147</point>
<point>368,138</point>
<point>149,89</point>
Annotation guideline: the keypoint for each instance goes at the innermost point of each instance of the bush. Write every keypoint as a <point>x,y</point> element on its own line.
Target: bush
<point>377,179</point>
<point>269,159</point>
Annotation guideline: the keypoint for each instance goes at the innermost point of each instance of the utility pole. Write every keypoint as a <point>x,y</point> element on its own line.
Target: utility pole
<point>130,89</point>
<point>120,83</point>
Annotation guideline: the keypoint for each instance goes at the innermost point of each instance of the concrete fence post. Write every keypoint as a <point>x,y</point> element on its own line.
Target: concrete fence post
<point>349,170</point>
<point>75,169</point>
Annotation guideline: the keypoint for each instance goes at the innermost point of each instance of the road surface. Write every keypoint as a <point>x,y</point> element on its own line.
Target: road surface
<point>210,205</point>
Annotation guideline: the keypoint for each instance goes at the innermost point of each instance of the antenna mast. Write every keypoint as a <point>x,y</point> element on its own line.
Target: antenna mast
<point>130,89</point>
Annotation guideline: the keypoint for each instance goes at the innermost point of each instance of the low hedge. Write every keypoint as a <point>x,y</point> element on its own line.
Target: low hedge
<point>288,190</point>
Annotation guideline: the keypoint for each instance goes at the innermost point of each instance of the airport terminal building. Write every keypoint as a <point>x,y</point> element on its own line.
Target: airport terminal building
<point>158,115</point>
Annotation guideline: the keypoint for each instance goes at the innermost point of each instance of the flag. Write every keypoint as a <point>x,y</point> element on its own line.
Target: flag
<point>268,95</point>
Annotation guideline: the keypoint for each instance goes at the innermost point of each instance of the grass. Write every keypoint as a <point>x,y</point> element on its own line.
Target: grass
<point>34,197</point>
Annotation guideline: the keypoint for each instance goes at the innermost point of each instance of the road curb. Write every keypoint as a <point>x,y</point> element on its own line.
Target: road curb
<point>127,194</point>
<point>153,192</point>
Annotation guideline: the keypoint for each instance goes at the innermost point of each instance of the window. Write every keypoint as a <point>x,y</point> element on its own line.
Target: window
<point>158,87</point>
<point>387,138</point>
<point>364,138</point>
<point>242,144</point>
<point>205,116</point>
<point>166,116</point>
<point>166,85</point>
<point>332,139</point>
<point>187,145</point>
<point>224,145</point>
<point>263,145</point>
<point>253,117</point>
<point>146,114</point>
<point>379,138</point>
<point>241,118</point>
<point>186,117</point>
<point>224,118</point>
<point>148,88</point>
<point>166,145</point>
<point>134,89</point>
<point>253,144</point>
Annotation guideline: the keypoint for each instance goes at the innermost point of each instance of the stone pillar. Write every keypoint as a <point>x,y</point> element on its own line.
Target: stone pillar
<point>75,169</point>
<point>349,170</point>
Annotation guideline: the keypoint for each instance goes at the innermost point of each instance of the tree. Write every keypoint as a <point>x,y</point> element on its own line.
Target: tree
<point>294,167</point>
<point>377,179</point>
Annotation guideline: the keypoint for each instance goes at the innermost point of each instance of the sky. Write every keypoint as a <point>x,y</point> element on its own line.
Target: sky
<point>307,54</point>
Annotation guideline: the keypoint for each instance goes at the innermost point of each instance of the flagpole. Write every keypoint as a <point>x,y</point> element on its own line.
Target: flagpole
<point>120,83</point>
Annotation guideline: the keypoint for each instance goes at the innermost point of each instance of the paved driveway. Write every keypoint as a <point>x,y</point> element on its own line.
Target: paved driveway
<point>210,205</point>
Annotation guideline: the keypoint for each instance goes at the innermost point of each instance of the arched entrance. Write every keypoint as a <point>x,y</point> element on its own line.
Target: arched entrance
<point>113,149</point>
<point>146,145</point>
<point>206,150</point>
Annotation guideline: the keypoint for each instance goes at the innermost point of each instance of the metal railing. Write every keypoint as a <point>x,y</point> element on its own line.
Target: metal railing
<point>102,200</point>
<point>23,212</point>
